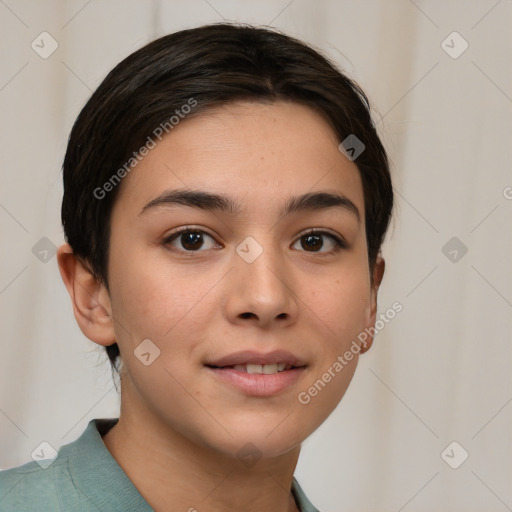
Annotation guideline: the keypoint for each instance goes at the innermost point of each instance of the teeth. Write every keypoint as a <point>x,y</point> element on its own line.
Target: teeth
<point>254,368</point>
<point>267,369</point>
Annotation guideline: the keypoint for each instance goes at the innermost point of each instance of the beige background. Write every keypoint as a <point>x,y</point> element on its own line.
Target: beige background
<point>439,372</point>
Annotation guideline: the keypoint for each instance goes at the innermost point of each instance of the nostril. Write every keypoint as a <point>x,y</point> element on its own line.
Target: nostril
<point>247,315</point>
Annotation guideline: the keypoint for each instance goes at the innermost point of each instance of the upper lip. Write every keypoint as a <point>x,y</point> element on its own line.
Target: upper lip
<point>254,357</point>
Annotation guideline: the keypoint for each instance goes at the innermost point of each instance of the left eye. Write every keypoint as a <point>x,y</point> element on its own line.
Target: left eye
<point>313,242</point>
<point>191,240</point>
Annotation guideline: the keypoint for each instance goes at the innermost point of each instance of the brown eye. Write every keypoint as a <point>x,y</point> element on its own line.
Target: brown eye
<point>190,240</point>
<point>314,242</point>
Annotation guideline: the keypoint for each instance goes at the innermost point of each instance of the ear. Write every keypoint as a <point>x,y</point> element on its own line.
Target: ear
<point>378,274</point>
<point>90,298</point>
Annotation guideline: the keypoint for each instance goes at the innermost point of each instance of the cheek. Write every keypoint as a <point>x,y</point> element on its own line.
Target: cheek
<point>343,305</point>
<point>325,390</point>
<point>342,312</point>
<point>343,315</point>
<point>156,300</point>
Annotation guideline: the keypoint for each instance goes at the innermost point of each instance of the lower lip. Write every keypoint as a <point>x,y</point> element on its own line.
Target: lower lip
<point>259,384</point>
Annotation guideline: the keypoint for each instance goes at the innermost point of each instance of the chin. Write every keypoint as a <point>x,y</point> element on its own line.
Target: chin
<point>265,439</point>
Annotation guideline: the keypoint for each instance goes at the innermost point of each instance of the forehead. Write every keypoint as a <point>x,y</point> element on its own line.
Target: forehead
<point>256,152</point>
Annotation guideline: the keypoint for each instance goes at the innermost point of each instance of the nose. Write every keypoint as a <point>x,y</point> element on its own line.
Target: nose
<point>262,292</point>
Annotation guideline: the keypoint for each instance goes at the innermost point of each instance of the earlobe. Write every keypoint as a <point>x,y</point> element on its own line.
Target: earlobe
<point>89,297</point>
<point>378,274</point>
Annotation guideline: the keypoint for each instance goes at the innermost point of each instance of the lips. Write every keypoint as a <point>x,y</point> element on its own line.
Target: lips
<point>249,357</point>
<point>258,374</point>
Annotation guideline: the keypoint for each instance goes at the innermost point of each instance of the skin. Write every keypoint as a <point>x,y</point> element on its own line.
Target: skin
<point>180,426</point>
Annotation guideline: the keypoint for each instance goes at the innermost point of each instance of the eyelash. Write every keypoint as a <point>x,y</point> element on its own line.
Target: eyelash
<point>339,243</point>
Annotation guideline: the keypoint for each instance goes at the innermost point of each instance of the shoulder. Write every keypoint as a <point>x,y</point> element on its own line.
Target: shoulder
<point>32,487</point>
<point>301,499</point>
<point>58,484</point>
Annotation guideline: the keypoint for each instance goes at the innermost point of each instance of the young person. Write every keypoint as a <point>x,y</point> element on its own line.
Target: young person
<point>226,196</point>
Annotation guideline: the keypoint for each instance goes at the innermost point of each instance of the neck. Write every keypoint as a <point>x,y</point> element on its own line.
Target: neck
<point>167,467</point>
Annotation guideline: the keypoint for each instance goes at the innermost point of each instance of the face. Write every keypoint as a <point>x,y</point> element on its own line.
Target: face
<point>255,280</point>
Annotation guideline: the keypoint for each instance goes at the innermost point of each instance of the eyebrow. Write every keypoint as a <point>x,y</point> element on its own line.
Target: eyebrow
<point>220,202</point>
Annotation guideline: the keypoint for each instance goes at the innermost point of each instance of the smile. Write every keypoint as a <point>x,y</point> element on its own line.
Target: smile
<point>258,374</point>
<point>267,369</point>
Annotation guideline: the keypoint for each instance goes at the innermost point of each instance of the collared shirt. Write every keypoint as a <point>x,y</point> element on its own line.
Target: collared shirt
<point>84,477</point>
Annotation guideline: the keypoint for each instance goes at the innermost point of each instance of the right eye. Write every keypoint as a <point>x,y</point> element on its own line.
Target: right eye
<point>190,240</point>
